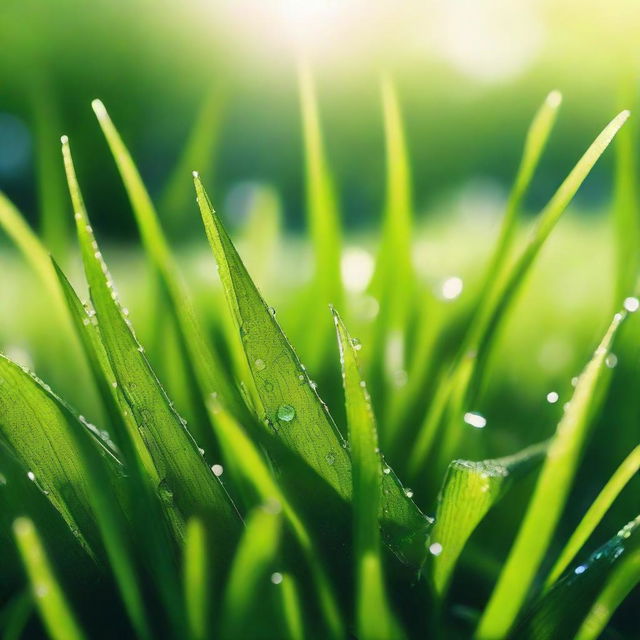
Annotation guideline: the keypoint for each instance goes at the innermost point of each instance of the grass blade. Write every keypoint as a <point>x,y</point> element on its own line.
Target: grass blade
<point>186,480</point>
<point>622,581</point>
<point>291,407</point>
<point>625,472</point>
<point>49,596</point>
<point>373,617</point>
<point>204,361</point>
<point>324,223</point>
<point>549,497</point>
<point>291,609</point>
<point>560,612</point>
<point>255,555</point>
<point>196,579</point>
<point>469,490</point>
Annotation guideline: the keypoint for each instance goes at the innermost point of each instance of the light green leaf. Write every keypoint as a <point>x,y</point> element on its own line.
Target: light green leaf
<point>559,613</point>
<point>291,407</point>
<point>49,596</point>
<point>549,497</point>
<point>469,490</point>
<point>291,608</point>
<point>196,578</point>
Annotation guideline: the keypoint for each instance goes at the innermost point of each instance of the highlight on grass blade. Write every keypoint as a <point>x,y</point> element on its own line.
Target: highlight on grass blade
<point>49,596</point>
<point>549,497</point>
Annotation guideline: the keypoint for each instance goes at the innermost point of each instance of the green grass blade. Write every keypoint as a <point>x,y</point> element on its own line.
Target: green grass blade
<point>324,223</point>
<point>549,497</point>
<point>198,151</point>
<point>625,472</point>
<point>196,578</point>
<point>240,451</point>
<point>469,490</point>
<point>15,616</point>
<point>254,557</point>
<point>291,608</point>
<point>622,581</point>
<point>186,480</point>
<point>560,612</point>
<point>291,407</point>
<point>204,361</point>
<point>374,618</point>
<point>49,596</point>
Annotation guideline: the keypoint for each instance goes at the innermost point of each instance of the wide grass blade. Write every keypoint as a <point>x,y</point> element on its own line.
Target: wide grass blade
<point>324,223</point>
<point>458,387</point>
<point>374,619</point>
<point>549,497</point>
<point>204,361</point>
<point>623,474</point>
<point>469,490</point>
<point>622,581</point>
<point>249,464</point>
<point>49,596</point>
<point>185,478</point>
<point>254,557</point>
<point>290,406</point>
<point>196,579</point>
<point>559,613</point>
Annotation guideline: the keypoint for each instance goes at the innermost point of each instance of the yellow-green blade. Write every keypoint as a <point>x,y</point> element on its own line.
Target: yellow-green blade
<point>291,608</point>
<point>196,578</point>
<point>54,610</point>
<point>623,474</point>
<point>469,491</point>
<point>374,618</point>
<point>185,478</point>
<point>549,497</point>
<point>291,407</point>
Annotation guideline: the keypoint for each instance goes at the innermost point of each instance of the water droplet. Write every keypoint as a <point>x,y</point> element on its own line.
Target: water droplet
<point>580,569</point>
<point>330,458</point>
<point>386,470</point>
<point>286,413</point>
<point>574,381</point>
<point>217,469</point>
<point>356,344</point>
<point>200,450</point>
<point>272,311</point>
<point>475,420</point>
<point>435,549</point>
<point>164,491</point>
<point>276,578</point>
<point>631,304</point>
<point>452,288</point>
<point>3,480</point>
<point>86,322</point>
<point>552,397</point>
<point>114,384</point>
<point>408,492</point>
<point>260,365</point>
<point>611,360</point>
<point>31,476</point>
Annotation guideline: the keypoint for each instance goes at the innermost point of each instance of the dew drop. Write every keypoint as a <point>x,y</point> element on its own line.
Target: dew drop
<point>435,549</point>
<point>631,304</point>
<point>611,360</point>
<point>580,569</point>
<point>552,397</point>
<point>276,578</point>
<point>408,492</point>
<point>330,458</point>
<point>475,420</point>
<point>286,413</point>
<point>356,344</point>
<point>31,476</point>
<point>386,470</point>
<point>217,469</point>
<point>260,365</point>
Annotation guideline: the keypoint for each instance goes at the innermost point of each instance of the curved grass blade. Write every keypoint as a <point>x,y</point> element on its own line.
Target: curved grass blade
<point>324,221</point>
<point>240,451</point>
<point>467,370</point>
<point>595,513</point>
<point>196,578</point>
<point>622,581</point>
<point>559,613</point>
<point>469,490</point>
<point>291,608</point>
<point>207,369</point>
<point>374,618</point>
<point>549,497</point>
<point>291,407</point>
<point>49,596</point>
<point>255,555</point>
<point>186,480</point>
<point>15,616</point>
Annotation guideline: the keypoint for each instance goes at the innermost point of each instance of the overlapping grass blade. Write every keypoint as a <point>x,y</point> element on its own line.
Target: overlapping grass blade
<point>290,405</point>
<point>622,581</point>
<point>374,618</point>
<point>624,473</point>
<point>291,609</point>
<point>465,375</point>
<point>559,613</point>
<point>254,557</point>
<point>324,225</point>
<point>204,362</point>
<point>15,616</point>
<point>185,478</point>
<point>549,497</point>
<point>196,579</point>
<point>469,490</point>
<point>240,452</point>
<point>49,596</point>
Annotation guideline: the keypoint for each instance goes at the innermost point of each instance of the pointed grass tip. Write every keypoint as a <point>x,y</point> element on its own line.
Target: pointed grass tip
<point>554,99</point>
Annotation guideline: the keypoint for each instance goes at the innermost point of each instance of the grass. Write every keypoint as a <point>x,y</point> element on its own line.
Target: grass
<point>220,496</point>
